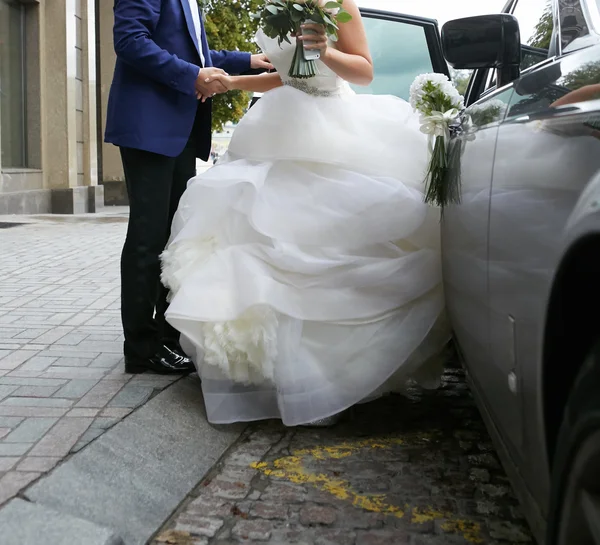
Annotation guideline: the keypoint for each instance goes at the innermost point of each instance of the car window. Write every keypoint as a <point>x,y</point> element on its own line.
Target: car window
<point>489,110</point>
<point>400,53</point>
<point>535,22</point>
<point>572,79</point>
<point>536,26</point>
<point>573,25</point>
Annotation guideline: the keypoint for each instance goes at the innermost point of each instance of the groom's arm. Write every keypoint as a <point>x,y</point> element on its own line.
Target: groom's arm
<point>232,62</point>
<point>135,22</point>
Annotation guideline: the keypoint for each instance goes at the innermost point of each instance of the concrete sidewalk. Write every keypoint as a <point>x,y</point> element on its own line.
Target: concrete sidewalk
<point>62,387</point>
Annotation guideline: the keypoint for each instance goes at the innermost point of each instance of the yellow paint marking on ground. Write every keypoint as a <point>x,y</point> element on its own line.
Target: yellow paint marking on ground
<point>291,468</point>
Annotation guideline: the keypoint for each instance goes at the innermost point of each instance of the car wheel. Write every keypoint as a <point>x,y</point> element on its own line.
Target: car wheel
<point>574,515</point>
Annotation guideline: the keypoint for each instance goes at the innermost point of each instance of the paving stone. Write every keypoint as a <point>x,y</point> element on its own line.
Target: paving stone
<point>107,360</point>
<point>38,363</point>
<point>100,395</point>
<point>75,373</point>
<point>131,396</point>
<point>228,490</point>
<point>61,438</point>
<point>31,430</point>
<point>7,463</point>
<point>36,402</point>
<point>6,390</point>
<point>311,515</point>
<point>23,523</point>
<point>254,530</point>
<point>14,449</point>
<point>90,413</point>
<point>39,464</point>
<point>87,438</point>
<point>199,526</point>
<point>12,483</point>
<point>382,537</point>
<point>15,359</point>
<point>35,391</point>
<point>32,411</point>
<point>115,412</point>
<point>77,388</point>
<point>10,421</point>
<point>74,362</point>
<point>265,510</point>
<point>45,382</point>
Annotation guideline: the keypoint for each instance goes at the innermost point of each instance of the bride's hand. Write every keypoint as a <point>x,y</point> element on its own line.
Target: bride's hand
<point>219,81</point>
<point>314,41</point>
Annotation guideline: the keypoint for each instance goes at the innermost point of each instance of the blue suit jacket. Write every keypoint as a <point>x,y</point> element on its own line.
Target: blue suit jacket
<point>152,104</point>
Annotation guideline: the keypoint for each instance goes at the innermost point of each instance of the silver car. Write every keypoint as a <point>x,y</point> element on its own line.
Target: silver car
<point>521,250</point>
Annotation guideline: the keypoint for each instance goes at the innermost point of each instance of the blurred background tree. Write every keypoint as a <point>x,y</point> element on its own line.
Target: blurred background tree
<point>460,78</point>
<point>229,25</point>
<point>543,30</point>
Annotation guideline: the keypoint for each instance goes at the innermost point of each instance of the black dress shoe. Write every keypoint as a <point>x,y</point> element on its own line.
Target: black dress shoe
<point>165,362</point>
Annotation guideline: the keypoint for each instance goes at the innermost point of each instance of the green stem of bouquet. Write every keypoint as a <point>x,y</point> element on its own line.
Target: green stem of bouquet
<point>442,185</point>
<point>301,68</point>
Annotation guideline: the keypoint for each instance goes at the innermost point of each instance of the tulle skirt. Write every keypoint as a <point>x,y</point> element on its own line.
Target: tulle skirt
<point>304,267</point>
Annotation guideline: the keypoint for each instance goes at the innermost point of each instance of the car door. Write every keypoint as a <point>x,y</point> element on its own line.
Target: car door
<point>547,151</point>
<point>402,47</point>
<point>471,258</point>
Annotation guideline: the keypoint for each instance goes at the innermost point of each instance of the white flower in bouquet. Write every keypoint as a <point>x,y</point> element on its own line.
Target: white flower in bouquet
<point>434,92</point>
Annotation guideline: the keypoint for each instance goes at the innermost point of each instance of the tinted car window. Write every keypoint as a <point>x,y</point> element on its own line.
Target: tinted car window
<point>555,85</point>
<point>573,24</point>
<point>536,26</point>
<point>400,53</point>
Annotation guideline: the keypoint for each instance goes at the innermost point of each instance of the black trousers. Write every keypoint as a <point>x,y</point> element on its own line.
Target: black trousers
<point>155,183</point>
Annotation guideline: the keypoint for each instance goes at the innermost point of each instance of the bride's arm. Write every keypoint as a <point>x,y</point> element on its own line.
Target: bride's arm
<point>351,59</point>
<point>256,84</point>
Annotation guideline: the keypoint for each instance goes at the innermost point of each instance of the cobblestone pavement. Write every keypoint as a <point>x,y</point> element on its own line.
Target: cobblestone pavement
<point>61,377</point>
<point>415,470</point>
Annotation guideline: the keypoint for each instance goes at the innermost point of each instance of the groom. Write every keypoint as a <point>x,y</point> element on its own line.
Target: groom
<point>156,118</point>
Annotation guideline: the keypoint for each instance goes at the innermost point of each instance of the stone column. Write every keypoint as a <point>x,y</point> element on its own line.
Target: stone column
<point>113,178</point>
<point>68,103</point>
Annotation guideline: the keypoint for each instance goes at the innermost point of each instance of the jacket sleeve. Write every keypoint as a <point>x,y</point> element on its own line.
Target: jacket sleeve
<point>135,21</point>
<point>233,62</point>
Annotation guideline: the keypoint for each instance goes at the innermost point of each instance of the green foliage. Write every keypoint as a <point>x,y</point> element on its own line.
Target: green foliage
<point>461,78</point>
<point>229,25</point>
<point>588,74</point>
<point>280,18</point>
<point>543,30</point>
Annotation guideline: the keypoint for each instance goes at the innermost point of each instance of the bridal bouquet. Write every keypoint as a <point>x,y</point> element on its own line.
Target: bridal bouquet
<point>439,103</point>
<point>282,18</point>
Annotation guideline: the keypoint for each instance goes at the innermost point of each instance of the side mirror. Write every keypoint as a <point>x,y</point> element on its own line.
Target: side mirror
<point>486,41</point>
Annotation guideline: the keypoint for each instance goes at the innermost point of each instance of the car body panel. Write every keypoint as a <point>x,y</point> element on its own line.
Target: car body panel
<point>537,194</point>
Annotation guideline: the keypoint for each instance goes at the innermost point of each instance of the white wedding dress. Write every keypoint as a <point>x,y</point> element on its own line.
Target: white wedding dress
<point>304,267</point>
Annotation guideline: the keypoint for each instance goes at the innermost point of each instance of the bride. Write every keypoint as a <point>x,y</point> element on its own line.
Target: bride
<point>304,268</point>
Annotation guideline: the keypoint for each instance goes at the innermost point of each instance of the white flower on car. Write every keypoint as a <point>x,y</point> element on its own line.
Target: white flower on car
<point>437,123</point>
<point>439,103</point>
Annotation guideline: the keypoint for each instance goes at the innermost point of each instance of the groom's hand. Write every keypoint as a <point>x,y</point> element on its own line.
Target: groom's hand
<point>205,86</point>
<point>260,61</point>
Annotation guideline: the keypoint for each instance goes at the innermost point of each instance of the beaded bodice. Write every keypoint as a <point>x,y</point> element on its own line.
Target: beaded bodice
<point>325,83</point>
